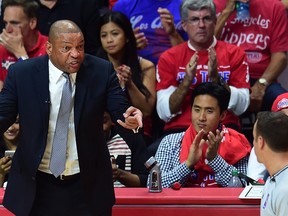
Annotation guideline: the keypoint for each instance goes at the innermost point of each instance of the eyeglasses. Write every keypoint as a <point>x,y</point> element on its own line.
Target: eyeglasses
<point>196,20</point>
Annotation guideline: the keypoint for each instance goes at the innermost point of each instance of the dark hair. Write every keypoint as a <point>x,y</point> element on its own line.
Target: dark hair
<point>130,56</point>
<point>30,7</point>
<point>219,92</point>
<point>272,126</point>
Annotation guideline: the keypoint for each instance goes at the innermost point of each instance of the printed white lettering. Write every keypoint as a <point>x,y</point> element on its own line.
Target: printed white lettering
<point>155,24</point>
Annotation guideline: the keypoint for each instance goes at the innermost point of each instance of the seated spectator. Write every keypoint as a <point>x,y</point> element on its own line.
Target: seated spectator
<point>136,75</point>
<point>256,170</point>
<point>20,39</point>
<point>202,58</point>
<point>207,152</point>
<point>9,141</point>
<point>270,142</point>
<point>84,13</point>
<point>127,156</point>
<point>157,25</point>
<point>265,40</point>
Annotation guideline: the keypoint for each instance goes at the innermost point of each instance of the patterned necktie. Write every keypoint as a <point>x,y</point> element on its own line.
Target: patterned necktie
<point>58,154</point>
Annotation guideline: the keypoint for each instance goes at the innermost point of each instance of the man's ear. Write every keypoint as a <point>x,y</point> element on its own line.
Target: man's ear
<point>48,46</point>
<point>261,142</point>
<point>184,25</point>
<point>33,23</point>
<point>223,115</point>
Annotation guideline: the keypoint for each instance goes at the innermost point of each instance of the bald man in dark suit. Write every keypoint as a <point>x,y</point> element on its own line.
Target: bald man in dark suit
<point>33,89</point>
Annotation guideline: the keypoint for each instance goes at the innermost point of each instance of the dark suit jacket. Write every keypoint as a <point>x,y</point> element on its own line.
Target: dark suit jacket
<point>26,91</point>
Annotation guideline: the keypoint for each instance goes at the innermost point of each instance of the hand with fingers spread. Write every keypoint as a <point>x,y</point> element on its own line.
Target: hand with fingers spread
<point>133,119</point>
<point>213,141</point>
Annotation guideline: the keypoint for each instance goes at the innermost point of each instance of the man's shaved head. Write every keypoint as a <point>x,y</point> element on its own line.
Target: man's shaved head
<point>62,26</point>
<point>65,46</point>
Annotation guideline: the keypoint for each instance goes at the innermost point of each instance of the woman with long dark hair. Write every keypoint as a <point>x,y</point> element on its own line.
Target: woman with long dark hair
<point>136,75</point>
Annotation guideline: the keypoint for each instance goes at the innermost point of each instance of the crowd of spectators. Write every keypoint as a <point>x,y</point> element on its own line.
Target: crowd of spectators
<point>162,51</point>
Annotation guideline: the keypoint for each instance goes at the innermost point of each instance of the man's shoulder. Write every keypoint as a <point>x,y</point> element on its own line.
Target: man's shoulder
<point>96,61</point>
<point>173,138</point>
<point>42,38</point>
<point>227,47</point>
<point>175,50</point>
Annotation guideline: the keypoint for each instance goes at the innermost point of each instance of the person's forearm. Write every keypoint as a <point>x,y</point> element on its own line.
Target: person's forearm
<point>21,53</point>
<point>223,170</point>
<point>128,179</point>
<point>239,100</point>
<point>221,20</point>
<point>178,174</point>
<point>277,65</point>
<point>175,38</point>
<point>177,97</point>
<point>138,100</point>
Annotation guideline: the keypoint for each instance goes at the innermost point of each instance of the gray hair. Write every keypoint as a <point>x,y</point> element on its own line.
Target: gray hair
<point>196,5</point>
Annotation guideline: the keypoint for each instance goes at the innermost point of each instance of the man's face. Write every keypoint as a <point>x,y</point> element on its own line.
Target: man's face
<point>66,52</point>
<point>206,113</point>
<point>16,21</point>
<point>200,27</point>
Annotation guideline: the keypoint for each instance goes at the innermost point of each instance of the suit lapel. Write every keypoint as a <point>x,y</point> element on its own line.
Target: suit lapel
<point>80,94</point>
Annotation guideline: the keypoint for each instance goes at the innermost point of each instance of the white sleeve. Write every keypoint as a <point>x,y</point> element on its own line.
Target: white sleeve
<point>239,100</point>
<point>255,170</point>
<point>162,106</point>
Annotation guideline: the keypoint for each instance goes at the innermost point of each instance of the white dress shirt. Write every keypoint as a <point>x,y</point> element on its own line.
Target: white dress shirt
<point>56,83</point>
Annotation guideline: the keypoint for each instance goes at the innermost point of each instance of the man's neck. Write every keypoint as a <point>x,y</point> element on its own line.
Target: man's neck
<point>199,47</point>
<point>274,166</point>
<point>32,40</point>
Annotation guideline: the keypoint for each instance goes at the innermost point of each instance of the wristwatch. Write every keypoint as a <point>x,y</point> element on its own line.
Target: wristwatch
<point>263,81</point>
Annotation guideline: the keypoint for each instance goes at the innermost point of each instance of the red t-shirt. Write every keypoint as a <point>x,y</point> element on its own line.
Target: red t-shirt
<point>260,36</point>
<point>232,66</point>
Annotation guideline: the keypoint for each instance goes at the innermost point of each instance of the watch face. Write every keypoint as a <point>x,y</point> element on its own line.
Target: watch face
<point>263,81</point>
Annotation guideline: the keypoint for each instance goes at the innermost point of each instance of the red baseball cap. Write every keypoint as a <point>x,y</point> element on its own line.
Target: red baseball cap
<point>281,102</point>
